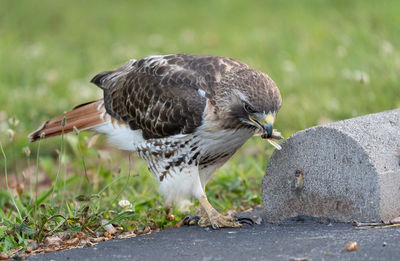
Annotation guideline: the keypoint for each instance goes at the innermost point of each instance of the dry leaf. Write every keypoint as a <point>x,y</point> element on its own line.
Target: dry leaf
<point>107,235</point>
<point>63,235</point>
<point>51,249</point>
<point>20,188</point>
<point>146,230</point>
<point>351,246</point>
<point>32,246</point>
<point>85,243</point>
<point>72,242</point>
<point>97,239</point>
<point>79,235</point>
<point>170,217</point>
<point>127,234</point>
<point>52,241</point>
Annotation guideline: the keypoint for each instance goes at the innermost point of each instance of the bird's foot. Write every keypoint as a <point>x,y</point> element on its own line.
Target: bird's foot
<point>222,221</point>
<point>218,221</point>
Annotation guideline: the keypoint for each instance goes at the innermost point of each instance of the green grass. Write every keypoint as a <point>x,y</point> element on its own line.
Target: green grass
<point>331,59</point>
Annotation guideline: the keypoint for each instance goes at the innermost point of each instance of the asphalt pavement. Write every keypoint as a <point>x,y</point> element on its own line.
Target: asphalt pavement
<point>290,241</point>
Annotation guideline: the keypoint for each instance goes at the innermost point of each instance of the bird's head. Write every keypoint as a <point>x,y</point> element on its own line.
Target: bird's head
<point>254,101</point>
<point>262,120</point>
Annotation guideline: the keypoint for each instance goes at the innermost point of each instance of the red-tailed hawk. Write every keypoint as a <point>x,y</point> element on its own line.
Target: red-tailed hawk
<point>184,114</point>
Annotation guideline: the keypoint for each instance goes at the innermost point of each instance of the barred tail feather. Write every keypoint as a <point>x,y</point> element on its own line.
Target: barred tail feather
<point>83,117</point>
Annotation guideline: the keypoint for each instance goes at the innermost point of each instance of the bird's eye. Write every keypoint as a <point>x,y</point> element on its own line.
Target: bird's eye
<point>249,109</point>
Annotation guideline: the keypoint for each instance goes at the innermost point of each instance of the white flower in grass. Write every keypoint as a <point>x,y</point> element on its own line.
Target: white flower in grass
<point>125,204</point>
<point>27,151</point>
<point>11,134</point>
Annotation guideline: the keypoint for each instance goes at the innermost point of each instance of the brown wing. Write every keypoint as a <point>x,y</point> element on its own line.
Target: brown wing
<point>161,95</point>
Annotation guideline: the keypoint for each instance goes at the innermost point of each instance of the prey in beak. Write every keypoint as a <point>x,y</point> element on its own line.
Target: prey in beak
<point>267,130</point>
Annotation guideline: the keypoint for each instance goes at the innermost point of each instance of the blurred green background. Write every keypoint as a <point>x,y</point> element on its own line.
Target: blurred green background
<point>332,60</point>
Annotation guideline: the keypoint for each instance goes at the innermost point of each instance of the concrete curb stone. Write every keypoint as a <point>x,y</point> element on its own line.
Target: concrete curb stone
<point>345,171</point>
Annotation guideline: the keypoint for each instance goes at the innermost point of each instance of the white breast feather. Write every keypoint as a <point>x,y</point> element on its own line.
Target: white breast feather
<point>180,186</point>
<point>121,137</point>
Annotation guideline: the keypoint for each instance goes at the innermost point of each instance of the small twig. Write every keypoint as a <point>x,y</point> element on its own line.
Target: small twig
<point>59,225</point>
<point>365,224</point>
<point>375,225</point>
<point>90,231</point>
<point>368,225</point>
<point>14,251</point>
<point>387,226</point>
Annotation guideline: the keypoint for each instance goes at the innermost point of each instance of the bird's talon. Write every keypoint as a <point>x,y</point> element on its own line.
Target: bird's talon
<point>215,226</point>
<point>194,221</point>
<point>197,218</point>
<point>244,220</point>
<point>190,220</point>
<point>185,219</point>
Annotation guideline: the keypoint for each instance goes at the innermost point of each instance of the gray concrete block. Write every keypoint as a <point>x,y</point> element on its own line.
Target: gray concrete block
<point>347,170</point>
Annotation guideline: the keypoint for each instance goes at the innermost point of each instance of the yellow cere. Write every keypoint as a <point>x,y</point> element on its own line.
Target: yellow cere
<point>269,119</point>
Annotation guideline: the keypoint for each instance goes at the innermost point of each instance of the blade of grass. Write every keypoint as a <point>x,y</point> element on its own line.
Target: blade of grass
<point>82,158</point>
<point>118,218</point>
<point>64,120</point>
<point>43,197</point>
<point>108,185</point>
<point>6,175</point>
<point>37,174</point>
<point>127,181</point>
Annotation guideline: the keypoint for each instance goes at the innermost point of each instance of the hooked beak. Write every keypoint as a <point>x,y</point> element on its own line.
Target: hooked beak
<point>268,129</point>
<point>266,126</point>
